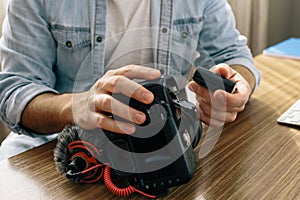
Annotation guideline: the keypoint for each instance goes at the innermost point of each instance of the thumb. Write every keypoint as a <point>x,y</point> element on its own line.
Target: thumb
<point>224,70</point>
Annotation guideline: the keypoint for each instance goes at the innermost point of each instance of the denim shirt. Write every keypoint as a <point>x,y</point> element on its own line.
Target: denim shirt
<point>44,44</point>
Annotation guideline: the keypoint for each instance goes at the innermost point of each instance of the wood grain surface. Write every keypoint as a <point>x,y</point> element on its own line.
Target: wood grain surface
<point>254,157</point>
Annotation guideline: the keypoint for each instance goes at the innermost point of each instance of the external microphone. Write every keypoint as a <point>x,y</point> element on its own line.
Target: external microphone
<point>77,165</point>
<point>75,155</point>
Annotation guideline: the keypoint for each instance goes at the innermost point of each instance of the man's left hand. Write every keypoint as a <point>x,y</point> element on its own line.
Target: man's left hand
<point>220,107</point>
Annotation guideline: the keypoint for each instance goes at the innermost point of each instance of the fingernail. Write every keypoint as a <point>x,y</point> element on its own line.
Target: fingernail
<point>154,73</point>
<point>129,129</point>
<point>139,118</point>
<point>191,88</point>
<point>147,96</point>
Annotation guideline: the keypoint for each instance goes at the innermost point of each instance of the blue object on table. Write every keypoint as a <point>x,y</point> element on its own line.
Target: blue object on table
<point>289,48</point>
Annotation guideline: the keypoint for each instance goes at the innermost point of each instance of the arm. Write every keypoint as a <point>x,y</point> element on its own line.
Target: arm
<point>49,113</point>
<point>219,43</point>
<point>28,53</point>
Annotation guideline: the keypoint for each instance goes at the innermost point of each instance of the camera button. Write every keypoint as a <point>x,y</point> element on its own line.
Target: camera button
<point>142,182</point>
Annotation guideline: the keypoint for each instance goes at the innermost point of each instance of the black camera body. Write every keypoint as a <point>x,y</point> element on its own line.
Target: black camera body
<point>180,132</point>
<point>159,155</point>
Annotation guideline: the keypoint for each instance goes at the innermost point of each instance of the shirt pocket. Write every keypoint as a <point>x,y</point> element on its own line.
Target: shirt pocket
<point>73,48</point>
<point>185,39</point>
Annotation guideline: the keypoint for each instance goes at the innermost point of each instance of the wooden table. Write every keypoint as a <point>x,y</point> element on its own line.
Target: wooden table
<point>254,158</point>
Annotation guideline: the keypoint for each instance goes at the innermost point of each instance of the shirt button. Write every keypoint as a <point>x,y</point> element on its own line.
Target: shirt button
<point>69,44</point>
<point>162,71</point>
<point>99,39</point>
<point>184,34</point>
<point>164,30</point>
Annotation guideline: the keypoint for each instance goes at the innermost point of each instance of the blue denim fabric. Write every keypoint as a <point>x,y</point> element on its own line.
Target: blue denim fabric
<point>44,44</point>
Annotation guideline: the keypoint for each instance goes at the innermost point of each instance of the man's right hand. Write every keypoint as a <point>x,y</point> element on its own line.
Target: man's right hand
<point>89,108</point>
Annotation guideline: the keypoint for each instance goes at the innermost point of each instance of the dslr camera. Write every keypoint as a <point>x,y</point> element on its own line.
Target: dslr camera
<point>158,156</point>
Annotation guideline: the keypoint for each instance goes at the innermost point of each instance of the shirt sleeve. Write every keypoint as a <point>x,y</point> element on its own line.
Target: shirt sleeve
<point>28,53</point>
<point>221,42</point>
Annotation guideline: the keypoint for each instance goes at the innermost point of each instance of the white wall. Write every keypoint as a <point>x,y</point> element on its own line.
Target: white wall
<point>270,22</point>
<point>284,17</point>
<point>252,21</point>
<point>296,18</point>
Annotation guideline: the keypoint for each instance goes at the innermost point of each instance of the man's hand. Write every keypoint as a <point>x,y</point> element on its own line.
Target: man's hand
<point>90,108</point>
<point>220,107</point>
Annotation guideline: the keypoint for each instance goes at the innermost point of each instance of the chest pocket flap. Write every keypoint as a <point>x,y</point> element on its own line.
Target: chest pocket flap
<point>185,35</point>
<point>73,47</point>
